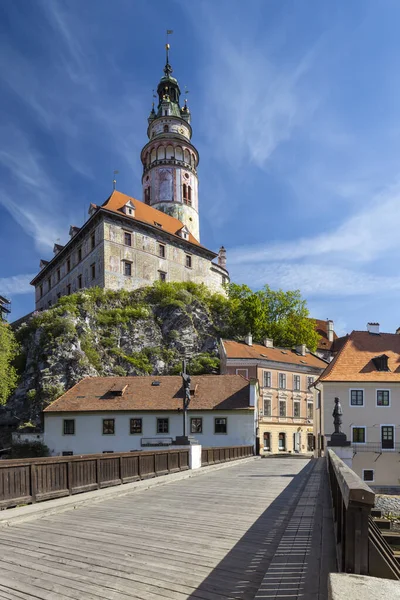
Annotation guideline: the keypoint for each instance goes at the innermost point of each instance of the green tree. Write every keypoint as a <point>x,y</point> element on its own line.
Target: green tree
<point>8,351</point>
<point>282,316</point>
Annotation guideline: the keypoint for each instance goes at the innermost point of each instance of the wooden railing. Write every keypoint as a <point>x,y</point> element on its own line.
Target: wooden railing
<point>212,456</point>
<point>361,548</point>
<point>36,479</point>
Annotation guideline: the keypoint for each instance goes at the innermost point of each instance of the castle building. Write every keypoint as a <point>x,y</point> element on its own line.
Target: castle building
<point>128,243</point>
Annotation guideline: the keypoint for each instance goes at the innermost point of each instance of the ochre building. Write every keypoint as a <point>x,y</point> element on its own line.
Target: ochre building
<point>128,243</point>
<point>287,399</point>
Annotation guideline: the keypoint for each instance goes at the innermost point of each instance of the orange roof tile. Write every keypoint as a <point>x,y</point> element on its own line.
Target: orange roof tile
<point>146,214</point>
<point>211,392</point>
<point>354,360</point>
<point>259,352</point>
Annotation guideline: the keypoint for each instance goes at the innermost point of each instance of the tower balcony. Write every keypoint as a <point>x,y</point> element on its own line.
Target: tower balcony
<point>169,161</point>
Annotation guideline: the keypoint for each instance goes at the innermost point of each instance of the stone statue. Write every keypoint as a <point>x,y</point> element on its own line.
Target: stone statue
<point>186,388</point>
<point>337,416</point>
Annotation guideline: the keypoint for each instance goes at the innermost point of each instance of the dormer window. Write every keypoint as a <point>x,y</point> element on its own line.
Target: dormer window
<point>381,362</point>
<point>184,233</point>
<point>129,209</point>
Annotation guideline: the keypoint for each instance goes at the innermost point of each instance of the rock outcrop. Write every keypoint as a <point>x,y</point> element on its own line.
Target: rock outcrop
<point>97,332</point>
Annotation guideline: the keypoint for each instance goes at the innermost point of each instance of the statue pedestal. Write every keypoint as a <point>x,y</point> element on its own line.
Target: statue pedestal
<point>338,439</point>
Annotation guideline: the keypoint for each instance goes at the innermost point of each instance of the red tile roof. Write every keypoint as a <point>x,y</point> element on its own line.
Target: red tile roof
<point>259,352</point>
<point>321,327</point>
<point>354,361</point>
<point>146,214</point>
<point>211,392</point>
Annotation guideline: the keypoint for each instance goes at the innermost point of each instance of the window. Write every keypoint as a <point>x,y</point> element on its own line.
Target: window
<point>135,426</point>
<point>162,426</point>
<point>383,397</point>
<point>358,435</point>
<point>310,410</point>
<point>282,408</point>
<point>296,409</point>
<point>69,289</point>
<point>127,239</point>
<point>243,372</point>
<point>49,283</point>
<point>92,241</point>
<point>296,383</point>
<point>282,441</point>
<point>147,196</point>
<point>108,426</point>
<point>267,407</point>
<point>69,426</point>
<point>79,254</point>
<point>49,303</point>
<point>368,474</point>
<point>267,379</point>
<point>387,437</point>
<point>161,250</point>
<point>310,381</point>
<point>310,442</point>
<point>41,290</point>
<point>267,440</point>
<point>68,265</point>
<point>196,425</point>
<point>282,381</point>
<point>93,270</point>
<point>356,397</point>
<point>127,268</point>
<point>188,261</point>
<point>163,276</point>
<point>58,295</point>
<point>79,282</point>
<point>58,274</point>
<point>220,426</point>
<point>165,128</point>
<point>67,453</point>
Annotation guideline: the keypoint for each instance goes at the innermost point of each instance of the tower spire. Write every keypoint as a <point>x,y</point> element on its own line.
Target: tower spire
<point>168,68</point>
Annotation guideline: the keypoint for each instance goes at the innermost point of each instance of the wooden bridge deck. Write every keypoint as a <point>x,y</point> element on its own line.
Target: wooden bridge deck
<point>259,529</point>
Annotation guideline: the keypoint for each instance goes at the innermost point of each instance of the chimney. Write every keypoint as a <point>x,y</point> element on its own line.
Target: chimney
<point>222,257</point>
<point>330,329</point>
<point>268,343</point>
<point>373,327</point>
<point>249,339</point>
<point>301,349</point>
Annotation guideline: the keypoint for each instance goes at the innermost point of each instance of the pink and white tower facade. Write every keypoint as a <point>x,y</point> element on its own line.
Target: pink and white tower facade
<point>169,158</point>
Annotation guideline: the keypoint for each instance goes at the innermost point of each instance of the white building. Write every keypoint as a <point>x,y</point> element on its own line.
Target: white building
<point>120,414</point>
<point>365,376</point>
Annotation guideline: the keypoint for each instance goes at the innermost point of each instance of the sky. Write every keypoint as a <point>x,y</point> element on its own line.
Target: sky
<point>295,113</point>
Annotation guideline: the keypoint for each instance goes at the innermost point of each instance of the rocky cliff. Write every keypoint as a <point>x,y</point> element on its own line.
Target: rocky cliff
<point>97,332</point>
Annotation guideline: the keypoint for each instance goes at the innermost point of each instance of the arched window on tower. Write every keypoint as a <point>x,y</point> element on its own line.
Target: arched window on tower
<point>187,194</point>
<point>165,128</point>
<point>147,195</point>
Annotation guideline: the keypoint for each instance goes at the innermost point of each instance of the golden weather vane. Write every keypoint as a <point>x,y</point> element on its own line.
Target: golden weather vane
<point>167,46</point>
<point>115,179</point>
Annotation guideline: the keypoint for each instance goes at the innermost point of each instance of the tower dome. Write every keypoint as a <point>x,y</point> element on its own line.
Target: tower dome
<point>169,158</point>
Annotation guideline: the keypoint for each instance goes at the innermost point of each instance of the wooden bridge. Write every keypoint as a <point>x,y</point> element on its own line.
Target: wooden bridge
<point>253,529</point>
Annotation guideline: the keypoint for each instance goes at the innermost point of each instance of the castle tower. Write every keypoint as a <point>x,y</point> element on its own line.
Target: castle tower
<point>169,159</point>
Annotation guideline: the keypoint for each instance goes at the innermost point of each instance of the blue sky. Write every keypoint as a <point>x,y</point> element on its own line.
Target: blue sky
<point>295,113</point>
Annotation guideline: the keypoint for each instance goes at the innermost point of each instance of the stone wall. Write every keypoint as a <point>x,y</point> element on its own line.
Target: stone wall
<point>82,267</point>
<point>146,262</point>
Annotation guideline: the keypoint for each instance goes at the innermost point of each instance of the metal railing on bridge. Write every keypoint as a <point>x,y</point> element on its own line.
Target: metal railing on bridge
<point>361,548</point>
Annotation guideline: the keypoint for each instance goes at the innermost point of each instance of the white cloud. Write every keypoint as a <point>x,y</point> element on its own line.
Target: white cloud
<point>17,284</point>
